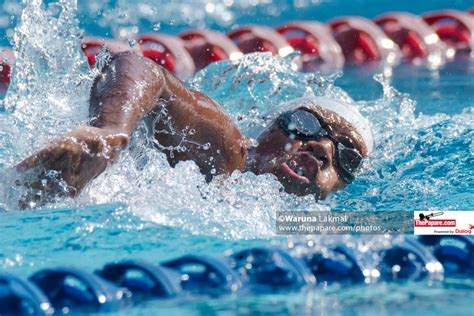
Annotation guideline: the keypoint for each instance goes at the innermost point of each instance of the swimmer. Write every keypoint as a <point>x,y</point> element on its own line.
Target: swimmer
<point>315,146</point>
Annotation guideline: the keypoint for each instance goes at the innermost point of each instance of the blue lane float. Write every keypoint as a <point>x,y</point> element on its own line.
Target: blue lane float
<point>22,297</point>
<point>143,279</point>
<point>336,265</point>
<point>205,275</point>
<point>257,270</point>
<point>406,259</point>
<point>75,289</point>
<point>270,269</point>
<point>455,253</point>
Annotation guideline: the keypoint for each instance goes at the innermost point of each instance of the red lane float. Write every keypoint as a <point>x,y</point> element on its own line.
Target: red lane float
<point>91,46</point>
<point>253,38</point>
<point>207,46</point>
<point>455,28</point>
<point>416,39</point>
<point>359,39</point>
<point>169,52</point>
<point>363,41</point>
<point>319,50</point>
<point>7,57</point>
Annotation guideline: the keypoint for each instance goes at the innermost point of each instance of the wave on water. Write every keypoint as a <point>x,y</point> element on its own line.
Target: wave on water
<point>420,161</point>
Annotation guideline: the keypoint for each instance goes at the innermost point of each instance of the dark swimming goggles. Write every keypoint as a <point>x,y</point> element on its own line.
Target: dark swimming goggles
<point>304,125</point>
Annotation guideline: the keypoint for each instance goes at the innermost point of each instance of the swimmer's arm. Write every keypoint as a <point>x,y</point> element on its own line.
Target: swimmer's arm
<point>128,89</point>
<point>132,87</point>
<point>121,96</point>
<point>67,164</point>
<point>213,141</point>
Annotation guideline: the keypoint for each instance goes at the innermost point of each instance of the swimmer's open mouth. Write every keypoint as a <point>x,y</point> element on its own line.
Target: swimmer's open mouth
<point>302,167</point>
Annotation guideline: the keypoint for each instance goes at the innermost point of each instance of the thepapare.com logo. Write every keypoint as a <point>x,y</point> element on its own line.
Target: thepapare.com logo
<point>447,222</point>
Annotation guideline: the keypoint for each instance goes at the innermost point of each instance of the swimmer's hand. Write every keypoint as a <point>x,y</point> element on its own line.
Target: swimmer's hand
<point>68,164</point>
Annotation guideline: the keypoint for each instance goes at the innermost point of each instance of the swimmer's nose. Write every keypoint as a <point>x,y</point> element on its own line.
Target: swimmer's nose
<point>322,150</point>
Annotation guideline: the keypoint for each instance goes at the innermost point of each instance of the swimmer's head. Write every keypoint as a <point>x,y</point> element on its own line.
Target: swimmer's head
<point>313,146</point>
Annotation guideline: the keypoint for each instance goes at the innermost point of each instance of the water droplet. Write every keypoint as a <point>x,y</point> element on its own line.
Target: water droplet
<point>132,42</point>
<point>157,26</point>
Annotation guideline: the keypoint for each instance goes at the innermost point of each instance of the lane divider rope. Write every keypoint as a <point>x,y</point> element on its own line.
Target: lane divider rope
<point>257,270</point>
<point>435,37</point>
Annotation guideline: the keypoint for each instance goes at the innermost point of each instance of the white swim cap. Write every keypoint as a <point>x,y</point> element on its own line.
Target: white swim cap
<point>347,111</point>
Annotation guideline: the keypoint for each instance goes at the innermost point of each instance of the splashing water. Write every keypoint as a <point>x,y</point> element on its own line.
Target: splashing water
<point>418,163</point>
<point>50,83</point>
<point>253,87</point>
<point>235,207</point>
<point>421,162</point>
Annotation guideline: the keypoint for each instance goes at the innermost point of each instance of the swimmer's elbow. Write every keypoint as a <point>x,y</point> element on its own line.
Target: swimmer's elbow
<point>131,66</point>
<point>127,78</point>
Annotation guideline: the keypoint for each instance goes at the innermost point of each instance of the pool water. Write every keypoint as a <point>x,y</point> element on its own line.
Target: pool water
<point>423,121</point>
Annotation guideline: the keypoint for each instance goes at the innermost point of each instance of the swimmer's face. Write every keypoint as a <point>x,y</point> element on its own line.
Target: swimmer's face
<point>307,166</point>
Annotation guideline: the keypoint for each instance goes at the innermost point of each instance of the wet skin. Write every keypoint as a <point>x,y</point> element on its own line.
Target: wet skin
<point>188,125</point>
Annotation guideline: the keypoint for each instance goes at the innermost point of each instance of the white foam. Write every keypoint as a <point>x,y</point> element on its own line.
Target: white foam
<point>49,100</point>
